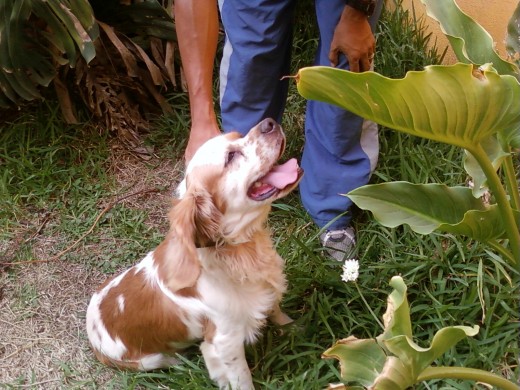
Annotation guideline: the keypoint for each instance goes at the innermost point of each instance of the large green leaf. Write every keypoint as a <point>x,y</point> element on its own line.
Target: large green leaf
<point>75,29</point>
<point>471,43</point>
<point>398,338</point>
<point>479,225</point>
<point>397,315</point>
<point>429,207</point>
<point>12,20</point>
<point>457,104</point>
<point>416,358</point>
<point>495,154</point>
<point>395,375</point>
<point>393,361</point>
<point>364,362</point>
<point>361,360</point>
<point>83,11</point>
<point>57,36</point>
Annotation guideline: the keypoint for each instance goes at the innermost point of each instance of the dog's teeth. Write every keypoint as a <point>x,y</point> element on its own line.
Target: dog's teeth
<point>257,184</point>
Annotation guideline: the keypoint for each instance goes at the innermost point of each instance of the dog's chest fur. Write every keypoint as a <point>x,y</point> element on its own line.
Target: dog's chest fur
<point>241,297</point>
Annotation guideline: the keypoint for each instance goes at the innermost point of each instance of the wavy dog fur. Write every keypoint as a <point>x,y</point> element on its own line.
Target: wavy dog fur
<point>216,276</point>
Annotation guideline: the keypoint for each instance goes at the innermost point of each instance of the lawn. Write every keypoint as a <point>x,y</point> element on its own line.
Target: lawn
<point>76,207</point>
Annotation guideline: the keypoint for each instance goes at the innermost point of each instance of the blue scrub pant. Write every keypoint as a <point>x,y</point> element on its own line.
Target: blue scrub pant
<point>340,148</point>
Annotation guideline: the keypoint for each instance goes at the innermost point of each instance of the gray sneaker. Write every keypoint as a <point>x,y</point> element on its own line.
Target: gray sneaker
<point>339,244</point>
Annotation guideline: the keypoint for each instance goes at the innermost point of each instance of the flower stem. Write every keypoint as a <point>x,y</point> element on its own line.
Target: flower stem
<point>506,211</point>
<point>468,374</point>
<point>368,306</point>
<point>511,183</point>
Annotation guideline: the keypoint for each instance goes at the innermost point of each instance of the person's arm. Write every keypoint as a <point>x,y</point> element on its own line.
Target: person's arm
<point>353,36</point>
<point>197,26</point>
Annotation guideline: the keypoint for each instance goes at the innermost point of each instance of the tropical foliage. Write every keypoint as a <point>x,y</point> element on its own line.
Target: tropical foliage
<point>113,56</point>
<point>468,105</point>
<point>393,361</point>
<point>473,105</point>
<point>55,181</point>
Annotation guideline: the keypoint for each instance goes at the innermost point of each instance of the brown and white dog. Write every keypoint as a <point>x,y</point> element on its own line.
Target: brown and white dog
<point>215,277</point>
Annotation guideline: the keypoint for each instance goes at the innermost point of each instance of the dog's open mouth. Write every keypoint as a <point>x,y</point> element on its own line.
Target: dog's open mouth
<point>278,178</point>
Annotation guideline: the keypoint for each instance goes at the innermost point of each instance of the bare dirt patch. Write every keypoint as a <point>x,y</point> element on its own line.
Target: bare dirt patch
<point>43,341</point>
<point>42,337</point>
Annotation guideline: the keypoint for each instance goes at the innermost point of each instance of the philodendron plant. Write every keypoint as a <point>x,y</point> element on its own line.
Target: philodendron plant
<point>474,105</point>
<point>393,361</point>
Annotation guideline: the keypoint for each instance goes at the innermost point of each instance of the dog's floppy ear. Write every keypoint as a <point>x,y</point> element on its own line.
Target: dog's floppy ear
<point>194,223</point>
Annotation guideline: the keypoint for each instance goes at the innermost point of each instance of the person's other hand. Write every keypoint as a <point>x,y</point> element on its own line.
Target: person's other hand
<point>353,37</point>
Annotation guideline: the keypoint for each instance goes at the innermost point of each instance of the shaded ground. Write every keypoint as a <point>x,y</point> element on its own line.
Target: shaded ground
<point>42,333</point>
<point>42,325</point>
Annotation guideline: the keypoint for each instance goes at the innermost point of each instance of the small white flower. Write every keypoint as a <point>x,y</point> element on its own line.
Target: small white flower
<point>350,270</point>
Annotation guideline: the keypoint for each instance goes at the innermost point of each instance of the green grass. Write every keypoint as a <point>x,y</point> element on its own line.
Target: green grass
<point>61,174</point>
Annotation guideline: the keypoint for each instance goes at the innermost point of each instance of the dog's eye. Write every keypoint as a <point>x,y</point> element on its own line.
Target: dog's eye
<point>230,156</point>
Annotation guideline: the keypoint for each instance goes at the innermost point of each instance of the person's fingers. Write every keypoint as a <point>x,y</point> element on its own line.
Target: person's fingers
<point>365,64</point>
<point>333,57</point>
<point>357,63</point>
<point>353,64</point>
<point>368,61</point>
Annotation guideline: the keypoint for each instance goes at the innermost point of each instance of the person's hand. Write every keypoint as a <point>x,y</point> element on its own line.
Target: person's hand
<point>198,135</point>
<point>353,37</point>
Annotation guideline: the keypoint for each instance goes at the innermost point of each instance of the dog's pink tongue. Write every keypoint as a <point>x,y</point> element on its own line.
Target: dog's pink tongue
<point>282,175</point>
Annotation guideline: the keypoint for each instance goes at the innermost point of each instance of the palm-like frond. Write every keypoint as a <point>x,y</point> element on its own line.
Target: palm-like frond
<point>36,37</point>
<point>120,86</point>
<point>115,55</point>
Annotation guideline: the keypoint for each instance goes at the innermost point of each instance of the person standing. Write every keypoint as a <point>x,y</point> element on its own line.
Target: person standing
<point>340,148</point>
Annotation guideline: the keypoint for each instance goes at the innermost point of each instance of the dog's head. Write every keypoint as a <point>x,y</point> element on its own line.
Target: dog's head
<point>230,184</point>
<point>239,177</point>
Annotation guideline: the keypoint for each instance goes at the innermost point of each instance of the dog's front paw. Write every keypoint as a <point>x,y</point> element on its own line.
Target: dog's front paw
<point>278,317</point>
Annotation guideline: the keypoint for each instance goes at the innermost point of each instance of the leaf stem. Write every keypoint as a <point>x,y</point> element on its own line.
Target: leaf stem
<point>500,194</point>
<point>510,179</point>
<point>501,250</point>
<point>468,374</point>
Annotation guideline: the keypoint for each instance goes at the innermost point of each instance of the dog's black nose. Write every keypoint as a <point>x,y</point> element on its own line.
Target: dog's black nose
<point>268,125</point>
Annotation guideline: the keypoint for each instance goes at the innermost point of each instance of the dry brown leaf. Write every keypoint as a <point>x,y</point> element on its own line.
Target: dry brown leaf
<point>152,89</point>
<point>66,106</point>
<point>154,70</point>
<point>157,49</point>
<point>122,85</point>
<point>169,63</point>
<point>126,55</point>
